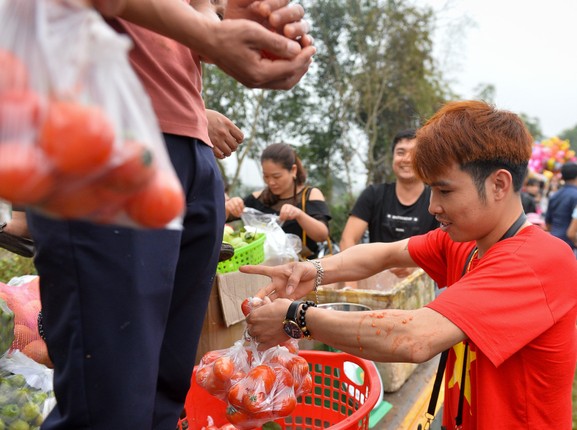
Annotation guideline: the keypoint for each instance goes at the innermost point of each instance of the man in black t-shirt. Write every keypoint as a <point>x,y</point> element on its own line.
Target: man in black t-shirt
<point>392,211</point>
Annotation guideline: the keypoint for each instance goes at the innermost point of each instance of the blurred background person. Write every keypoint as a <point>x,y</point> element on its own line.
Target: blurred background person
<point>562,204</point>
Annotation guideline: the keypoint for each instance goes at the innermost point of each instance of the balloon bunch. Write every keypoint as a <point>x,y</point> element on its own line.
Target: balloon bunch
<point>549,155</point>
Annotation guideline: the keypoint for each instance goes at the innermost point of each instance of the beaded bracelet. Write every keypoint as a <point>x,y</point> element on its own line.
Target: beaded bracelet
<point>301,319</point>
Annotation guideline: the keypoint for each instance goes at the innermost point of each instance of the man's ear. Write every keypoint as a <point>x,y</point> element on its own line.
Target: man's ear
<point>501,184</point>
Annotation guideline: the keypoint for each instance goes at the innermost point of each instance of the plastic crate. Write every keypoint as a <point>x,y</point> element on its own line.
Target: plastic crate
<point>345,390</point>
<point>253,253</point>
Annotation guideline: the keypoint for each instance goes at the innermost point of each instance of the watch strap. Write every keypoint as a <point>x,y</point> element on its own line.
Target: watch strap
<point>292,311</point>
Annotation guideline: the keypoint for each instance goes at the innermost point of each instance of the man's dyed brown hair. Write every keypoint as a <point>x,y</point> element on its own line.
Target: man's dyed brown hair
<point>478,137</point>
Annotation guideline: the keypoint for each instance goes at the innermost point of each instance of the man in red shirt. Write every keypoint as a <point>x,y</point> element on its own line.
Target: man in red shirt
<point>508,313</point>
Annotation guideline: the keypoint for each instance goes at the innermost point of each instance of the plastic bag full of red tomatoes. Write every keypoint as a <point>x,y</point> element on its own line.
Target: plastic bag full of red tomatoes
<point>78,136</point>
<point>258,387</point>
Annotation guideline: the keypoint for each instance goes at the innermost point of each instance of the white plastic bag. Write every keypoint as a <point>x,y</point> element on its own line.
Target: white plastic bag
<point>26,388</point>
<point>279,247</point>
<point>80,139</point>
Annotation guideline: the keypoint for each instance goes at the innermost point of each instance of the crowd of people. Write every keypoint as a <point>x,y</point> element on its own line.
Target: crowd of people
<point>123,308</point>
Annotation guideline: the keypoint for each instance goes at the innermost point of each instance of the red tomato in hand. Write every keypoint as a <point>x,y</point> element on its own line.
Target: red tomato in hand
<point>245,307</point>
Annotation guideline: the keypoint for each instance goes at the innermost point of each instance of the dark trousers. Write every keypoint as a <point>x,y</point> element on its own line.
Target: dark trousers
<point>123,308</point>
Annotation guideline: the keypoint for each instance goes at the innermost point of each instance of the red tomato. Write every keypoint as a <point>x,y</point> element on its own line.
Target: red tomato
<point>159,202</point>
<point>25,175</point>
<point>281,359</point>
<point>262,374</point>
<point>236,417</point>
<point>284,377</point>
<point>298,367</point>
<point>20,111</point>
<point>254,401</point>
<point>133,168</point>
<point>305,386</point>
<point>77,200</point>
<point>78,139</point>
<point>237,376</point>
<point>284,404</point>
<point>202,374</point>
<point>223,368</point>
<point>235,395</point>
<point>206,379</point>
<point>211,356</point>
<point>246,307</point>
<point>13,73</point>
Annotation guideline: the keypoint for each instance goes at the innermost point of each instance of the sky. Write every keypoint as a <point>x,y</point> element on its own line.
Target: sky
<point>526,49</point>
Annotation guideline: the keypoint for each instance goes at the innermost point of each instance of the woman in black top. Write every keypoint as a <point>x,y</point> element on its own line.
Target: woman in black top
<point>285,180</point>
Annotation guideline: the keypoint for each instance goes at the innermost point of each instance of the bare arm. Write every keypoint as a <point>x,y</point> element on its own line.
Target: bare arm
<point>295,280</point>
<point>354,229</point>
<point>382,335</point>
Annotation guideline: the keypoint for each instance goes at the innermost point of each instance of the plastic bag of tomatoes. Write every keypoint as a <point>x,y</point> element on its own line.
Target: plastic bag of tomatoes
<point>78,136</point>
<point>258,387</point>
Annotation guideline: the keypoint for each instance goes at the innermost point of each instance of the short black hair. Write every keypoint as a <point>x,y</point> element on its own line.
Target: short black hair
<point>409,133</point>
<point>569,171</point>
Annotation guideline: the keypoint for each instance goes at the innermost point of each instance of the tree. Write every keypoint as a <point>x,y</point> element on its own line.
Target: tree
<point>533,125</point>
<point>264,116</point>
<point>375,66</point>
<point>571,135</point>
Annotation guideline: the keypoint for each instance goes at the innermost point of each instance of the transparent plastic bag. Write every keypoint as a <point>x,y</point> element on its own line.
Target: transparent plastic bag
<point>78,136</point>
<point>26,392</point>
<point>258,386</point>
<point>279,247</point>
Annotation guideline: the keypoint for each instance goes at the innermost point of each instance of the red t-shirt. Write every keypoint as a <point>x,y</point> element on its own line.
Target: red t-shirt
<point>518,307</point>
<point>171,74</point>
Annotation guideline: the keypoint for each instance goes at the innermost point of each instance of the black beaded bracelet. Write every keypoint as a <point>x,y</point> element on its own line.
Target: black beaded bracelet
<point>301,320</point>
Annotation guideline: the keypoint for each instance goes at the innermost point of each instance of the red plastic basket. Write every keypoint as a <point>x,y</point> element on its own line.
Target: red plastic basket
<point>338,400</point>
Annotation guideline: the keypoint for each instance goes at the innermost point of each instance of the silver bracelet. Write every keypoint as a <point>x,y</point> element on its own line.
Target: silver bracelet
<point>318,278</point>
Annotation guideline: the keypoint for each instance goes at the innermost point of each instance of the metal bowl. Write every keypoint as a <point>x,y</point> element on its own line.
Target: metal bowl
<point>347,307</point>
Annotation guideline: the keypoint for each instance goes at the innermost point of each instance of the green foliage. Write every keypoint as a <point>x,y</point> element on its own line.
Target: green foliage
<point>570,135</point>
<point>340,214</point>
<point>12,265</point>
<point>376,70</point>
<point>533,125</point>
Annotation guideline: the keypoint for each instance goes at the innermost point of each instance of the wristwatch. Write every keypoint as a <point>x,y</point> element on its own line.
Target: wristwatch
<point>290,325</point>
